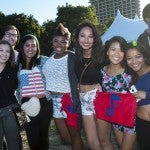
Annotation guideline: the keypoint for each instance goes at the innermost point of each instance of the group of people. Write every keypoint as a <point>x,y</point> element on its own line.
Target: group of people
<point>21,79</point>
<point>67,83</point>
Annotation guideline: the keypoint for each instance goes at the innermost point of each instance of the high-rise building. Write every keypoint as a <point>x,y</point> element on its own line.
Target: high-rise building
<point>106,9</point>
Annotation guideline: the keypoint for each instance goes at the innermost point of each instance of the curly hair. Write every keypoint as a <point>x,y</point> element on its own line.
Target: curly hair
<point>97,47</point>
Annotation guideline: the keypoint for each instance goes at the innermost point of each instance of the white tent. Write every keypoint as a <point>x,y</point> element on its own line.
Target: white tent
<point>130,29</point>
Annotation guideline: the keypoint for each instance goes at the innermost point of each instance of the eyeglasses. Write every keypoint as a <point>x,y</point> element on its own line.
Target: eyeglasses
<point>8,34</point>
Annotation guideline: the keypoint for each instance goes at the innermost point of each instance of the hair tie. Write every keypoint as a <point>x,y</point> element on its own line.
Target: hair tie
<point>134,43</point>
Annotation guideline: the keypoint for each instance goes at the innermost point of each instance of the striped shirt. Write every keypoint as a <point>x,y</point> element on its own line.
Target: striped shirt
<point>31,83</point>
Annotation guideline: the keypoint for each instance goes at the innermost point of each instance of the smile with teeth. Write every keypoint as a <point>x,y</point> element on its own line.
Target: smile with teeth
<point>58,49</point>
<point>30,52</point>
<point>4,59</point>
<point>116,58</point>
<point>134,66</point>
<point>86,45</point>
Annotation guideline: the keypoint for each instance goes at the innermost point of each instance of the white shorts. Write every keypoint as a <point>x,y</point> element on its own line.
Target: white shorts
<point>87,98</point>
<point>57,106</point>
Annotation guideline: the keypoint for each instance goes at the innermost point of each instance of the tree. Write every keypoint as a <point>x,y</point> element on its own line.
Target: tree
<point>71,16</point>
<point>25,24</point>
<point>46,36</point>
<point>2,23</point>
<point>106,25</point>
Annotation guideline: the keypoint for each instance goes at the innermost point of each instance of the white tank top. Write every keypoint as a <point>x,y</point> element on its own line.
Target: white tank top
<point>56,74</point>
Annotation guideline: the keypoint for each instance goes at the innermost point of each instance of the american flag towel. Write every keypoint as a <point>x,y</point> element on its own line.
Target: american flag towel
<point>31,83</point>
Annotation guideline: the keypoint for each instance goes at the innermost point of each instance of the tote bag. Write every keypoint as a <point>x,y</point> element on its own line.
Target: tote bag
<point>116,108</point>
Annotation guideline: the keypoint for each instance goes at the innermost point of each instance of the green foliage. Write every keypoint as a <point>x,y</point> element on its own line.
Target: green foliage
<point>46,36</point>
<point>25,24</point>
<point>2,23</point>
<point>109,22</point>
<point>106,25</point>
<point>69,15</point>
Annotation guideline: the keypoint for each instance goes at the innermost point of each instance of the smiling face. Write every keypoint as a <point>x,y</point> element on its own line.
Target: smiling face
<point>135,60</point>
<point>30,48</point>
<point>115,54</point>
<point>4,53</point>
<point>11,36</point>
<point>86,38</point>
<point>60,44</point>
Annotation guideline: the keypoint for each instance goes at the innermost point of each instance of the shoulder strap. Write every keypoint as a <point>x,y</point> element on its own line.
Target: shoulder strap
<point>83,73</point>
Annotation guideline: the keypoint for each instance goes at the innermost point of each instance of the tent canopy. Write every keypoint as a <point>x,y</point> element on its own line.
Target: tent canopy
<point>129,29</point>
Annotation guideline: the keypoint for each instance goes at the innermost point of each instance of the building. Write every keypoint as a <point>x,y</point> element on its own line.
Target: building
<point>106,9</point>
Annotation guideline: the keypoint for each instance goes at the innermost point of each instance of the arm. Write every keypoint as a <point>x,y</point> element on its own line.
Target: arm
<point>142,94</point>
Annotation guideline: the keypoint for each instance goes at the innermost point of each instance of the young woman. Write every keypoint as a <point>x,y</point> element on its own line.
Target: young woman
<point>115,78</point>
<point>88,47</point>
<point>9,127</point>
<point>61,81</point>
<point>32,84</point>
<point>138,59</point>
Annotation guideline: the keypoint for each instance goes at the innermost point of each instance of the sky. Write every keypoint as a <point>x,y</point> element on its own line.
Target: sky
<point>42,10</point>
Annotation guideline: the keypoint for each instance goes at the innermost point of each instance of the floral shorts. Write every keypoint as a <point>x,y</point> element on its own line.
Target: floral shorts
<point>124,129</point>
<point>57,105</point>
<point>87,98</point>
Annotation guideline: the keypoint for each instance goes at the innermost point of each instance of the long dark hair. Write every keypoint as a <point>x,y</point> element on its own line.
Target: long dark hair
<point>22,58</point>
<point>97,43</point>
<point>12,54</point>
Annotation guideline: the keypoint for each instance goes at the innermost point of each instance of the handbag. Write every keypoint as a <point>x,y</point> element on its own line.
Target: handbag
<point>117,108</point>
<point>31,107</point>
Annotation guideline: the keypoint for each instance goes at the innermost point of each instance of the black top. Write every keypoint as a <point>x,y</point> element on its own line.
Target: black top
<point>144,38</point>
<point>8,85</point>
<point>91,74</point>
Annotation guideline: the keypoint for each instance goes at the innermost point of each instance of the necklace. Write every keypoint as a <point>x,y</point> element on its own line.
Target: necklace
<point>86,61</point>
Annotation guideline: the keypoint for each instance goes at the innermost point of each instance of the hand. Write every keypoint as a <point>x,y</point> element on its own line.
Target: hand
<point>140,94</point>
<point>99,88</point>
